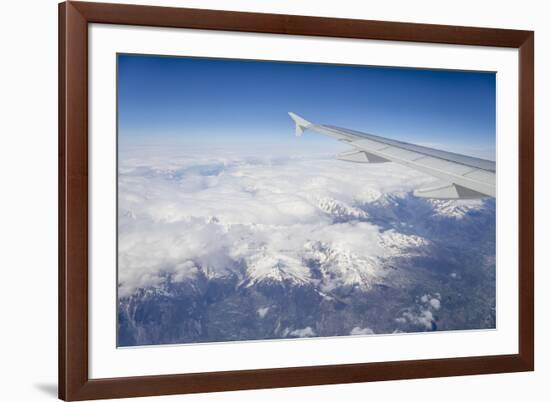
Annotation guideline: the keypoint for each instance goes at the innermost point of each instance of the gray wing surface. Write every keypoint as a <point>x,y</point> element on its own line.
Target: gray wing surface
<point>460,176</point>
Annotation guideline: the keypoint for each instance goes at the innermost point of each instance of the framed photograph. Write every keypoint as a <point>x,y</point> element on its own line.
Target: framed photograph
<point>259,200</point>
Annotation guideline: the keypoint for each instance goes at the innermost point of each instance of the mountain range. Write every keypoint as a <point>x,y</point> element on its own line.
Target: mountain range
<point>428,265</point>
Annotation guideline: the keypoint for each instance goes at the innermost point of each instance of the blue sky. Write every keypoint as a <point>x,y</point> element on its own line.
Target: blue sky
<point>236,102</point>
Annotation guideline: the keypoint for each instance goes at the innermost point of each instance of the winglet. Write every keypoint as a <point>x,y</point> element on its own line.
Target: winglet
<point>301,123</point>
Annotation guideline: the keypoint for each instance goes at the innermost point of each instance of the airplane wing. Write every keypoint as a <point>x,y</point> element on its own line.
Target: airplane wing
<point>461,176</point>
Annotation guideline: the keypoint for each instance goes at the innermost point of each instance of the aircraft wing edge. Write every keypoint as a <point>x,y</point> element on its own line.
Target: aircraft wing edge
<point>461,181</point>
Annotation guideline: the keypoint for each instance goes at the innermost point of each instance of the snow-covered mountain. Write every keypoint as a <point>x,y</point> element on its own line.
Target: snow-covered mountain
<point>340,210</point>
<point>455,208</point>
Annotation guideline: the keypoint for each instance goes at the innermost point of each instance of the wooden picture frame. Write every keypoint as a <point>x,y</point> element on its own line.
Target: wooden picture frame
<point>74,381</point>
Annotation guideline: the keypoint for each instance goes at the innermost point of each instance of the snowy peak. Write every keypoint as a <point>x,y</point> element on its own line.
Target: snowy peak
<point>338,267</point>
<point>389,200</point>
<point>340,210</point>
<point>396,243</point>
<point>268,266</point>
<point>457,209</point>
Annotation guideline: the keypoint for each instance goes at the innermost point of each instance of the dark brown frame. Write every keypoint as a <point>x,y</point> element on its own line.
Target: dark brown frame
<point>74,383</point>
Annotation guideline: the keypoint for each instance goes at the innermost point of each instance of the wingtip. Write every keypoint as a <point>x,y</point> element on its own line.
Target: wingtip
<point>297,118</point>
<point>301,123</point>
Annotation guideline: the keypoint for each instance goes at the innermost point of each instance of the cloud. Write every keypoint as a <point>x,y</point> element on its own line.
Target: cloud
<point>423,313</point>
<point>361,331</point>
<point>262,311</point>
<point>435,303</point>
<point>184,211</point>
<point>303,332</point>
<point>423,318</point>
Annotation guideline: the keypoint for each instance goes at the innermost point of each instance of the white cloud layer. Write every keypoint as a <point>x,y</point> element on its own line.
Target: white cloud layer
<point>182,211</point>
